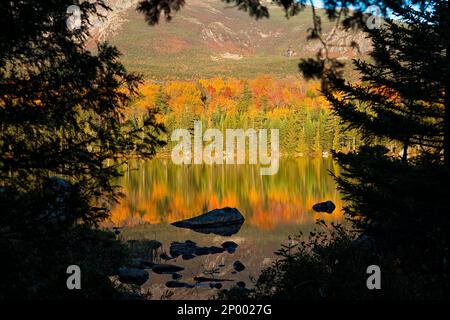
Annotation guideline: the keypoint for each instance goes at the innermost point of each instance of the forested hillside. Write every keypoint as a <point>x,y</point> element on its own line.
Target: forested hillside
<point>294,106</point>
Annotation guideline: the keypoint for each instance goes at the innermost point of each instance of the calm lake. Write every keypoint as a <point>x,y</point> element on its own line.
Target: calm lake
<point>274,208</point>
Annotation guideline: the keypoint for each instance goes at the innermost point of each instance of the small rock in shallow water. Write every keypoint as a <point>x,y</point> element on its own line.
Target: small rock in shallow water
<point>327,206</point>
<point>238,266</point>
<point>178,248</point>
<point>166,268</point>
<point>230,246</point>
<point>241,284</point>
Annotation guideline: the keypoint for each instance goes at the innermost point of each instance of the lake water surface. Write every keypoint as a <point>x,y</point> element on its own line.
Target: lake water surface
<point>274,208</point>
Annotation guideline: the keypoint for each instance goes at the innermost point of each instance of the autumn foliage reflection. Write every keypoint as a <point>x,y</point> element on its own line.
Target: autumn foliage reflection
<point>161,192</point>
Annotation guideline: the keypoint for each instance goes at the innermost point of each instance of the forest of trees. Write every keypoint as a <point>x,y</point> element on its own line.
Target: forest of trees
<point>295,107</point>
<point>70,118</point>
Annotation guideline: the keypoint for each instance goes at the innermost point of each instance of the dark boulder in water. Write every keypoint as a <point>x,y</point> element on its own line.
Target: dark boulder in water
<point>226,221</point>
<point>327,206</point>
<point>166,268</point>
<point>241,284</point>
<point>238,266</point>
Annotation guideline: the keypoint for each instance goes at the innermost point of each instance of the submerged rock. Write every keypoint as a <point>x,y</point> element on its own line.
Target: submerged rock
<point>180,248</point>
<point>327,206</point>
<point>226,221</point>
<point>230,246</point>
<point>166,268</point>
<point>241,284</point>
<point>133,276</point>
<point>238,266</point>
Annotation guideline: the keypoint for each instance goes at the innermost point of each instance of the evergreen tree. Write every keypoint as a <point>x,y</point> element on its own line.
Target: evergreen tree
<point>161,102</point>
<point>302,148</point>
<point>317,146</point>
<point>292,136</point>
<point>403,99</point>
<point>336,145</point>
<point>245,99</point>
<point>63,138</point>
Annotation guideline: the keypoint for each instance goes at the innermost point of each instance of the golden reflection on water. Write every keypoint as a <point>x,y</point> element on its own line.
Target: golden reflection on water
<point>161,192</point>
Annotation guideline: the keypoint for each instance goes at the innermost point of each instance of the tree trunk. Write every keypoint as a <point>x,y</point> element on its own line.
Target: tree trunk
<point>405,151</point>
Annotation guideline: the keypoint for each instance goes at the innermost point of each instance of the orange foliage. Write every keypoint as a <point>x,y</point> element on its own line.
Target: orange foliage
<point>184,95</point>
<point>148,93</point>
<point>223,95</point>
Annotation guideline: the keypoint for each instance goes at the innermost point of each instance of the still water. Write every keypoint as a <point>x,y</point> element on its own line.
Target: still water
<point>275,207</point>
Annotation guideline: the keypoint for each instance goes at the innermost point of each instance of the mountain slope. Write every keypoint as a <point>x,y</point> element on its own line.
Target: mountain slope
<point>208,38</point>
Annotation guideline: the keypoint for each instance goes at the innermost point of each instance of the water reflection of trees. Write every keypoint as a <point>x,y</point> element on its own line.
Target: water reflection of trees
<point>161,192</point>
